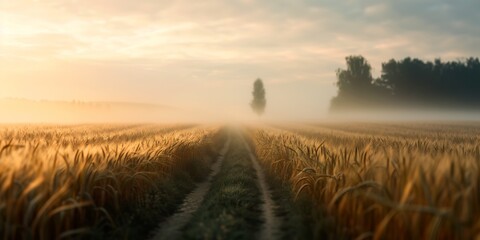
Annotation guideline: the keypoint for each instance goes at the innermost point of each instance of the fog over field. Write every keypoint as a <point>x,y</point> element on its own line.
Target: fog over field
<point>47,111</point>
<point>43,111</point>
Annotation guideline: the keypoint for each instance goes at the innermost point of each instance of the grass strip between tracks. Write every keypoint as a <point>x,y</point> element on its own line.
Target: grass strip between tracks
<point>232,207</point>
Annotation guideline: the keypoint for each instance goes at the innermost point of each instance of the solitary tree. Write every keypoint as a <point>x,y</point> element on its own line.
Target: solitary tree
<point>258,103</point>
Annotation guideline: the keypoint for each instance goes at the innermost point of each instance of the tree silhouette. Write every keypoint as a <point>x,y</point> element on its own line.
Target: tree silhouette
<point>434,84</point>
<point>357,76</point>
<point>356,86</point>
<point>409,83</point>
<point>258,103</point>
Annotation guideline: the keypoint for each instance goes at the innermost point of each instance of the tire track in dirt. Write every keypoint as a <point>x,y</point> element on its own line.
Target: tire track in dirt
<point>271,226</point>
<point>171,228</point>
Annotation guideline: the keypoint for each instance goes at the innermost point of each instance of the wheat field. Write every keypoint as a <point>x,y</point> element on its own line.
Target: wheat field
<point>380,181</point>
<point>352,181</point>
<point>68,181</point>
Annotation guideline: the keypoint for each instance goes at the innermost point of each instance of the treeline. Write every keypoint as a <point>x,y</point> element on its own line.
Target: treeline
<point>409,83</point>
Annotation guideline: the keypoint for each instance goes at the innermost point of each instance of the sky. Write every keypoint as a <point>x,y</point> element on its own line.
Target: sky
<point>205,55</point>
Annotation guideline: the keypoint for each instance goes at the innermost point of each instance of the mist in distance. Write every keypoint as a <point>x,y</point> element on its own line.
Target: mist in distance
<point>74,112</point>
<point>407,90</point>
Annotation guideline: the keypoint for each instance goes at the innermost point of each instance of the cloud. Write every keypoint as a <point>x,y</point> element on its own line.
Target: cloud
<point>233,29</point>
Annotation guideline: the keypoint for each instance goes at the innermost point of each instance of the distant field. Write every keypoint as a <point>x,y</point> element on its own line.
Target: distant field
<point>332,181</point>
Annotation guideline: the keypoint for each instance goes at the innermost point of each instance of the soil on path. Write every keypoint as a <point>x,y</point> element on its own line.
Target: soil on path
<point>172,227</point>
<point>270,228</point>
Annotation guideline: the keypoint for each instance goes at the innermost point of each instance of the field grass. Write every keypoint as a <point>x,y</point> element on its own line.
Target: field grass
<point>380,181</point>
<point>91,181</point>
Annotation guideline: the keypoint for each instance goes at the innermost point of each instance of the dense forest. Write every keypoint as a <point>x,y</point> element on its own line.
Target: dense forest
<point>410,83</point>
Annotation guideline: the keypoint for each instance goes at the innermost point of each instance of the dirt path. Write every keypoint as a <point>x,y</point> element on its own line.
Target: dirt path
<point>170,229</point>
<point>270,228</point>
